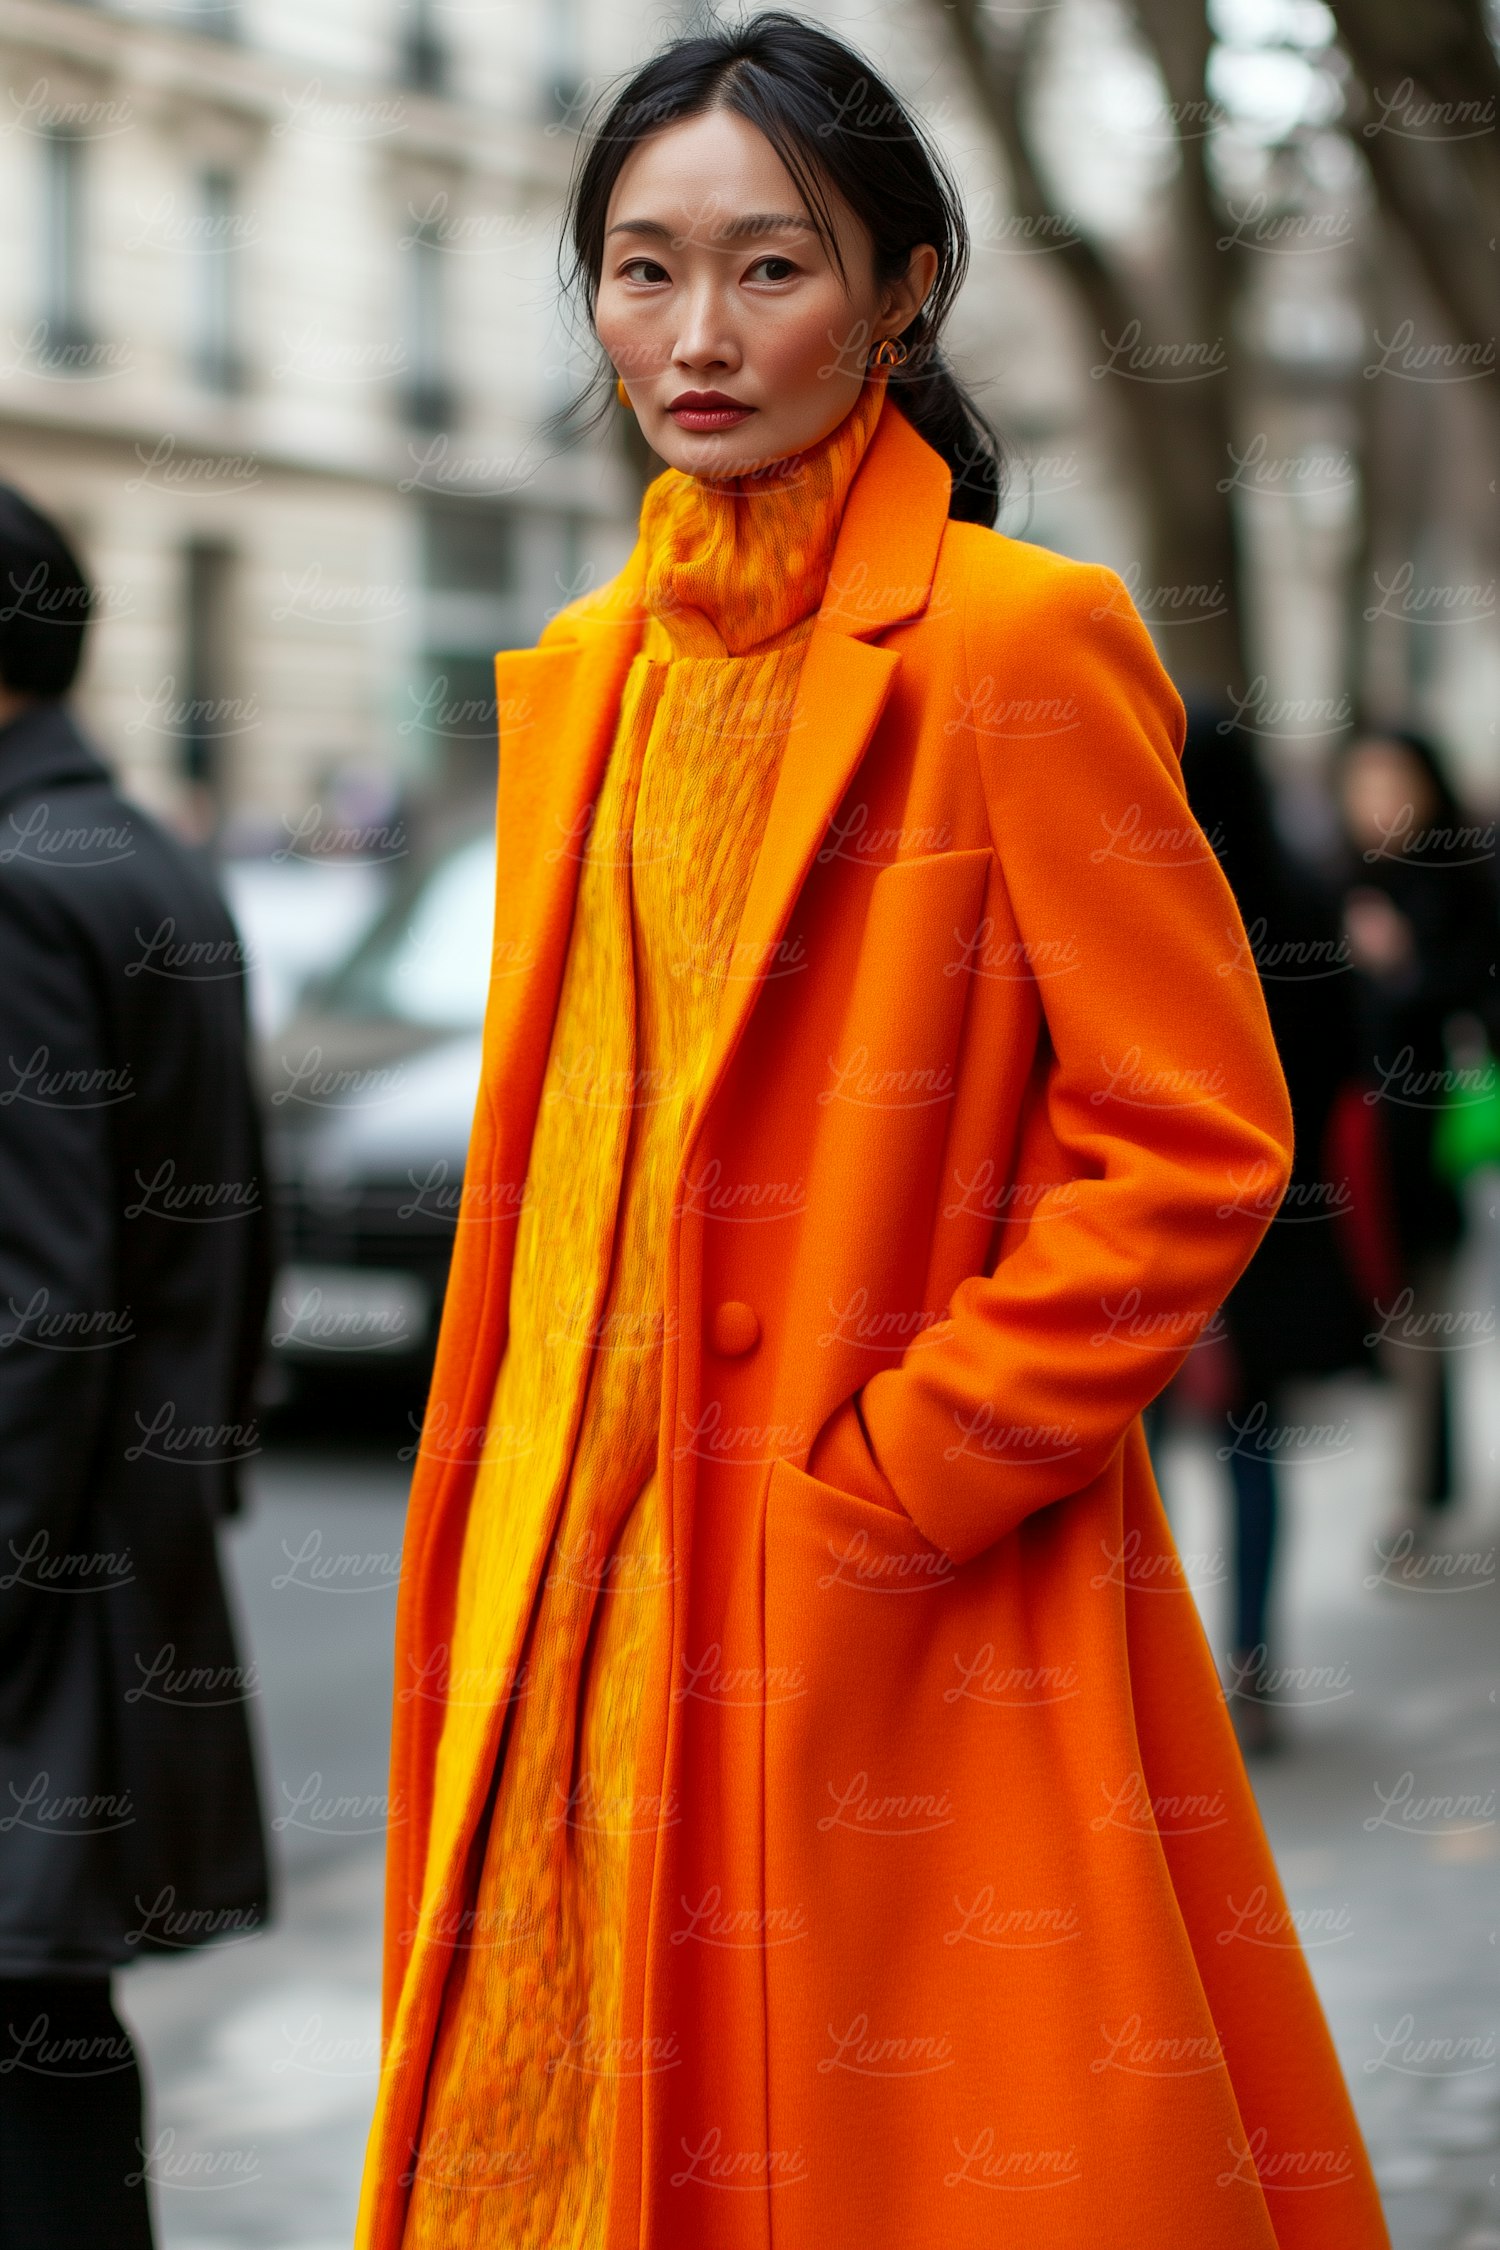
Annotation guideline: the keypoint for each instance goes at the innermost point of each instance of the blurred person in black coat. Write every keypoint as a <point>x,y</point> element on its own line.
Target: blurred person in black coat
<point>1421,922</point>
<point>134,1274</point>
<point>1296,1310</point>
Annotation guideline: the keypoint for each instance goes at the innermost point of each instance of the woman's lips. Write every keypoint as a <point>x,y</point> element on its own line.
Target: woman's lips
<point>709,417</point>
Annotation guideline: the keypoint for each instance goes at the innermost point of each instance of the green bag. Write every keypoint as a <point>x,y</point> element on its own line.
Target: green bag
<point>1467,1135</point>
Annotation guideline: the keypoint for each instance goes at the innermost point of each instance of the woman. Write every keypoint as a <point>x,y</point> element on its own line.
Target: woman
<point>802,1827</point>
<point>1420,921</point>
<point>1295,1312</point>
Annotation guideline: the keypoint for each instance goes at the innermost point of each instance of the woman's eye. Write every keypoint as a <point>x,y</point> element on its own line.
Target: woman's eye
<point>651,270</point>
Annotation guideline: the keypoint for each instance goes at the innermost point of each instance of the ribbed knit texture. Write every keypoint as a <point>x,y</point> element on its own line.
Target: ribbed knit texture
<point>520,2098</point>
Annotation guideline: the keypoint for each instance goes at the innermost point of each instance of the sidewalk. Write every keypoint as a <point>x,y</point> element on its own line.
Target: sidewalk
<point>263,2058</point>
<point>262,2055</point>
<point>1382,1808</point>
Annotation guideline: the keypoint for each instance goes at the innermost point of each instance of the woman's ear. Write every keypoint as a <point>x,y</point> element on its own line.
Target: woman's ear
<point>904,299</point>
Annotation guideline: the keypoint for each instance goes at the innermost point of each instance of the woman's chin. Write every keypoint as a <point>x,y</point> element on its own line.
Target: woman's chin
<point>712,454</point>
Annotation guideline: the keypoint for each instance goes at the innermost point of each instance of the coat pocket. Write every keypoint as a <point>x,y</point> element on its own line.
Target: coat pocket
<point>885,1781</point>
<point>979,1929</point>
<point>858,1604</point>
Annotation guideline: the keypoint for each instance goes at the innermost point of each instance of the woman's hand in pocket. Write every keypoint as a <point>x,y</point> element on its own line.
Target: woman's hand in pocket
<point>841,1456</point>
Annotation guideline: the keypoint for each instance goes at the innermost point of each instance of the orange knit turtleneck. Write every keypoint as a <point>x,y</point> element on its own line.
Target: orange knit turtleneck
<point>520,2079</point>
<point>735,563</point>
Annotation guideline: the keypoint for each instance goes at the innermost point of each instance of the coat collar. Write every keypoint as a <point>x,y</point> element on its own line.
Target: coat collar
<point>893,523</point>
<point>42,747</point>
<point>558,705</point>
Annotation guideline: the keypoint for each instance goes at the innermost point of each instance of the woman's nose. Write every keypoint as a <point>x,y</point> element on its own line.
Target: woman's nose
<point>705,335</point>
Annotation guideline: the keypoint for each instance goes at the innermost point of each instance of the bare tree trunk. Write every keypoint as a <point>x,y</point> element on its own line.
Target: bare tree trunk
<point>1173,391</point>
<point>1430,95</point>
<point>1178,33</point>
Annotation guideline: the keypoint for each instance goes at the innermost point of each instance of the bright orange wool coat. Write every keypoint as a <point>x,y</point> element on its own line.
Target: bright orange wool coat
<point>957,1923</point>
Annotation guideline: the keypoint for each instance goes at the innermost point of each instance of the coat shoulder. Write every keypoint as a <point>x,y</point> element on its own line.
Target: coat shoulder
<point>1063,622</point>
<point>982,570</point>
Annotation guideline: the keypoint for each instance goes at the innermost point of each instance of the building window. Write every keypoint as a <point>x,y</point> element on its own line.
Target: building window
<point>471,576</point>
<point>213,19</point>
<point>469,549</point>
<point>64,217</point>
<point>209,716</point>
<point>427,397</point>
<point>421,59</point>
<point>215,360</point>
<point>562,70</point>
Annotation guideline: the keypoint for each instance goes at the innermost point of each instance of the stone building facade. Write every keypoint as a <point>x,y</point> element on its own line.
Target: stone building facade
<point>278,325</point>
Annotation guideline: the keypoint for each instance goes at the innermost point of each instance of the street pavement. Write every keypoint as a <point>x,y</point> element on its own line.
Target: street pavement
<point>262,2054</point>
<point>1382,1811</point>
<point>1381,1808</point>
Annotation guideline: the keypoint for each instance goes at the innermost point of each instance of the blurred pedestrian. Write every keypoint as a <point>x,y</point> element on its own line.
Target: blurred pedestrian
<point>1421,925</point>
<point>134,1273</point>
<point>1295,1312</point>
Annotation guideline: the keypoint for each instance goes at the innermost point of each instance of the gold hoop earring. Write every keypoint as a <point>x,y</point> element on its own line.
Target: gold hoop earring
<point>889,352</point>
<point>620,391</point>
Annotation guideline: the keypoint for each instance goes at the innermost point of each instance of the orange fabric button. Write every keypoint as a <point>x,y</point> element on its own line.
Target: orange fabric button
<point>735,1328</point>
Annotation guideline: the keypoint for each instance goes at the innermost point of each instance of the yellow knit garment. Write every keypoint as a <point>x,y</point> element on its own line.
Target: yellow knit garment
<point>515,2139</point>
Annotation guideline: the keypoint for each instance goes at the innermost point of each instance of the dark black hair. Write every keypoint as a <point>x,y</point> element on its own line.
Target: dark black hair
<point>1447,809</point>
<point>820,105</point>
<point>45,601</point>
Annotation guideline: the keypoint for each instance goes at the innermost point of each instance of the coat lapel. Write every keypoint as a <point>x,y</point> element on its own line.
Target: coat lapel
<point>840,694</point>
<point>882,570</point>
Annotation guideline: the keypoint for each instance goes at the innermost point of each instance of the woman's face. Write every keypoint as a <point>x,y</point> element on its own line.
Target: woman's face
<point>714,281</point>
<point>1388,797</point>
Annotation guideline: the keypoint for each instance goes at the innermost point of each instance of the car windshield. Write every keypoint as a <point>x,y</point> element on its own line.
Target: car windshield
<point>427,959</point>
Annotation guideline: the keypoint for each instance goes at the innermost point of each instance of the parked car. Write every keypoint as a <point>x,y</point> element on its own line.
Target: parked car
<point>295,918</point>
<point>369,1093</point>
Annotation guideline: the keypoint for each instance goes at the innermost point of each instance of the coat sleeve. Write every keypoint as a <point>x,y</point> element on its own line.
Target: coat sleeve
<point>57,1264</point>
<point>1156,1110</point>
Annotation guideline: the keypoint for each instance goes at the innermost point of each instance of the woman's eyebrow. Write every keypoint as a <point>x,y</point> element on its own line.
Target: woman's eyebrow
<point>736,230</point>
